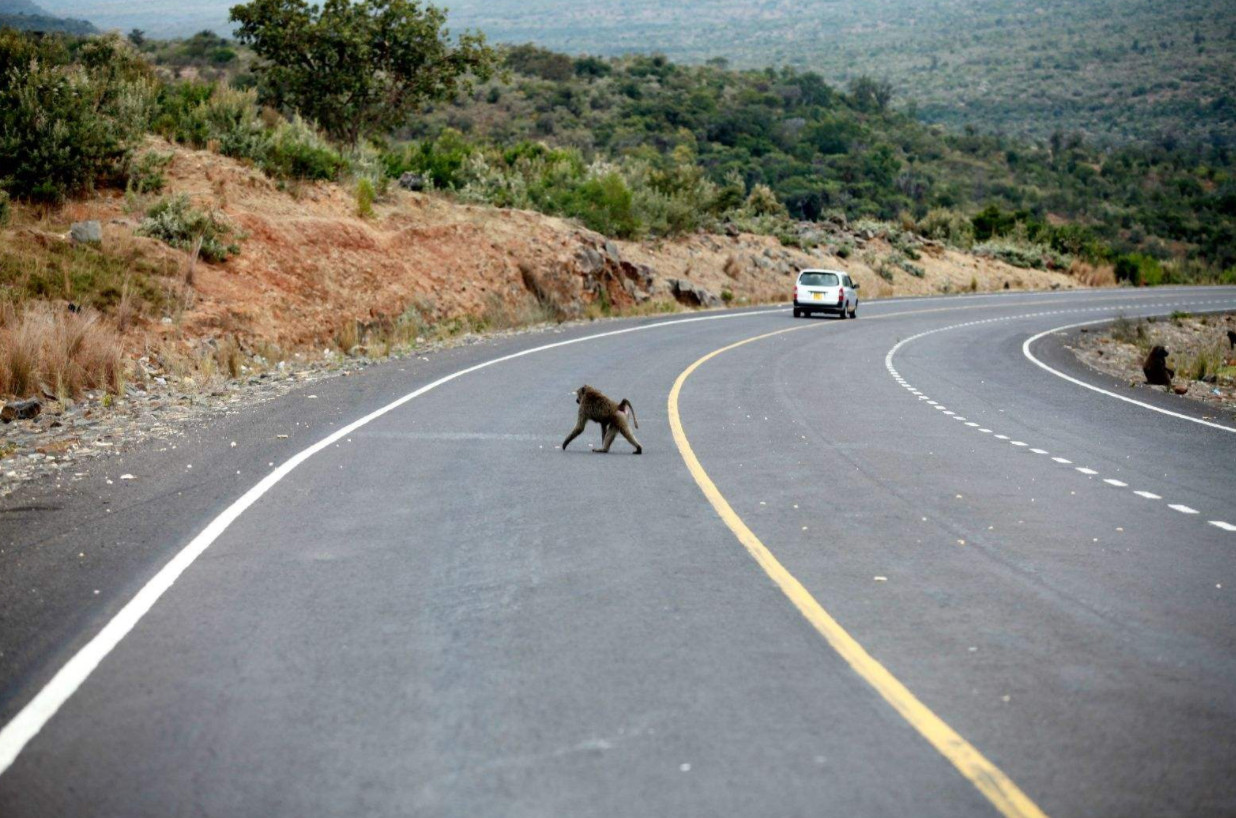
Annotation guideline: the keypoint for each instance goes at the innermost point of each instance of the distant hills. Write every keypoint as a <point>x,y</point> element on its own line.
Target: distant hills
<point>26,16</point>
<point>1111,70</point>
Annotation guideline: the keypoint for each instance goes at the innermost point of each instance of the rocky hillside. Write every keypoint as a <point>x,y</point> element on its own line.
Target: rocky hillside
<point>312,272</point>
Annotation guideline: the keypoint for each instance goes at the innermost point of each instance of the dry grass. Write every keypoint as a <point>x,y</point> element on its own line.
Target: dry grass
<point>43,348</point>
<point>1206,360</point>
<point>1089,275</point>
<point>230,357</point>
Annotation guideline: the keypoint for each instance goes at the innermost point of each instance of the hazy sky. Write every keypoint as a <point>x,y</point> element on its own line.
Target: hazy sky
<point>158,17</point>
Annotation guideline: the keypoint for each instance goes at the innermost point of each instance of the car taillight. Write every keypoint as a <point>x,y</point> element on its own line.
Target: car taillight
<point>840,296</point>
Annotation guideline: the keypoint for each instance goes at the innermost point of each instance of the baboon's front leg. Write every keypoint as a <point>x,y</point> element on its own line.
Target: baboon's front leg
<point>579,427</point>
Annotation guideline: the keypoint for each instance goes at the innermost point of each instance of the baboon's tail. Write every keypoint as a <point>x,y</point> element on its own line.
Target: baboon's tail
<point>626,406</point>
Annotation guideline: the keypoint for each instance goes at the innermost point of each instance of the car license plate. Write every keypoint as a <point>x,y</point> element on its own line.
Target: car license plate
<point>818,296</point>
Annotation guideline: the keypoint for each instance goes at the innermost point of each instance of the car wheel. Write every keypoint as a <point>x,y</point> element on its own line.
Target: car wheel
<point>798,313</point>
<point>854,312</point>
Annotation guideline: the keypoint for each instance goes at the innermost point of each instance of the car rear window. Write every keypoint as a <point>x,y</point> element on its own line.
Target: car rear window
<point>818,279</point>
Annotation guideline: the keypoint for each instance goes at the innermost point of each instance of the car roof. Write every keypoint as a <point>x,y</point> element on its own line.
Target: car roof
<point>814,270</point>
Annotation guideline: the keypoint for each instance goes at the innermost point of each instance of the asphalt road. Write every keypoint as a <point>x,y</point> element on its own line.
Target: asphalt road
<point>442,614</point>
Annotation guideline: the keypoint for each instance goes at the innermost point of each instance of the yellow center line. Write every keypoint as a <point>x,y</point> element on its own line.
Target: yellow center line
<point>997,787</point>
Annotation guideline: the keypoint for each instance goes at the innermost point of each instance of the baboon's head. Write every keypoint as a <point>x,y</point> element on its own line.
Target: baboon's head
<point>1158,354</point>
<point>579,393</point>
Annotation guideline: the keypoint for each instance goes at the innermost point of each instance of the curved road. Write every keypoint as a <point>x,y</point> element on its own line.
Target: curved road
<point>982,587</point>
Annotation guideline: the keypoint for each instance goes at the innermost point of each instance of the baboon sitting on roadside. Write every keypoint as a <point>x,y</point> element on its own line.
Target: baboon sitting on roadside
<point>1156,369</point>
<point>1231,338</point>
<point>612,416</point>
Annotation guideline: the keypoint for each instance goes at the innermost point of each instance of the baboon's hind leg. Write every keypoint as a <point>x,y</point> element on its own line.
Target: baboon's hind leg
<point>611,432</point>
<point>626,432</point>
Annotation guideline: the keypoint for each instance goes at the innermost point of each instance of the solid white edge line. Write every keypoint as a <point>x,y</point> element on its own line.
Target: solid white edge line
<point>1025,349</point>
<point>38,711</point>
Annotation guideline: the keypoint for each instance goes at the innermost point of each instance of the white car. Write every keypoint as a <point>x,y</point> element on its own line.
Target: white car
<point>825,291</point>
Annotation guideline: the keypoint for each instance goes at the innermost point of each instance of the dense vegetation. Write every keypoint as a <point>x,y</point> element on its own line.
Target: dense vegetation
<point>1113,70</point>
<point>637,146</point>
<point>672,128</point>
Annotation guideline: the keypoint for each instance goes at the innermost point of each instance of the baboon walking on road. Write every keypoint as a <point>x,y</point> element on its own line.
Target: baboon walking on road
<point>612,417</point>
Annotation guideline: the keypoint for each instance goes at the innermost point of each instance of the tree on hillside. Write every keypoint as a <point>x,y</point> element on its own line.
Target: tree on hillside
<point>870,94</point>
<point>361,67</point>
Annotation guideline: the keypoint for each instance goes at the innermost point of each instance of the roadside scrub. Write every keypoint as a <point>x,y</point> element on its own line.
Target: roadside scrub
<point>48,350</point>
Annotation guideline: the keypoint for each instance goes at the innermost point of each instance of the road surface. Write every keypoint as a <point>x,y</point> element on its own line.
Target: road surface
<point>890,566</point>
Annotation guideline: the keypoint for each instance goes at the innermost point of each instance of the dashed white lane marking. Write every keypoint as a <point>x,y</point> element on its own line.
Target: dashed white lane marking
<point>888,364</point>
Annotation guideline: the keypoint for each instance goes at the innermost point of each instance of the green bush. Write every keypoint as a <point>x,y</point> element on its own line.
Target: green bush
<point>1139,269</point>
<point>227,119</point>
<point>145,174</point>
<point>67,127</point>
<point>604,204</point>
<point>1018,255</point>
<point>991,221</point>
<point>364,198</point>
<point>948,226</point>
<point>297,151</point>
<point>442,160</point>
<point>176,222</point>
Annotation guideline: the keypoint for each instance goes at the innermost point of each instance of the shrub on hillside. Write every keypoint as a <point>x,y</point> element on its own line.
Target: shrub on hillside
<point>145,174</point>
<point>947,226</point>
<point>1139,269</point>
<point>761,201</point>
<point>176,222</point>
<point>66,127</point>
<point>296,151</point>
<point>603,203</point>
<point>228,120</point>
<point>442,160</point>
<point>1029,256</point>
